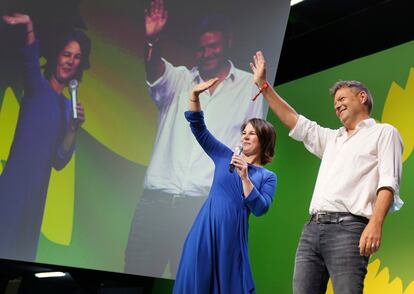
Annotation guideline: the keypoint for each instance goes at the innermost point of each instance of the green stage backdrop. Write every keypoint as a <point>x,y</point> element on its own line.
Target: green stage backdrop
<point>273,238</point>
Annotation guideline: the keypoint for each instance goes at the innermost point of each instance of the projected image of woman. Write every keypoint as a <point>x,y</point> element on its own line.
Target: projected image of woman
<point>215,254</point>
<point>44,138</point>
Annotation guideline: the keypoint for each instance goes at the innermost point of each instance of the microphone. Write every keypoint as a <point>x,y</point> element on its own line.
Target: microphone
<point>73,90</point>
<point>237,151</point>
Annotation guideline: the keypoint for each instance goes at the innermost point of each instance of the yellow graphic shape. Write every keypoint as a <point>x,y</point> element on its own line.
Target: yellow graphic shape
<point>57,221</point>
<point>58,216</point>
<point>9,112</point>
<point>119,112</point>
<point>398,111</point>
<point>378,282</point>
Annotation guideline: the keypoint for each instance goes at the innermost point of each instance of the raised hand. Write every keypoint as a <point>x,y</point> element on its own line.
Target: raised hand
<point>17,19</point>
<point>197,90</point>
<point>258,68</point>
<point>201,87</point>
<point>155,19</point>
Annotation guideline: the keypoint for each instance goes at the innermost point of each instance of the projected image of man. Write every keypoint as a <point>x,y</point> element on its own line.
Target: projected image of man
<point>180,174</point>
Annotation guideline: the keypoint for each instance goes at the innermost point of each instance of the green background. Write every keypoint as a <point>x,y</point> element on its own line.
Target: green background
<point>109,164</point>
<point>273,238</point>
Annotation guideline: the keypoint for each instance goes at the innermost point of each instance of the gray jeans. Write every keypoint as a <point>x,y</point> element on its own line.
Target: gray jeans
<point>158,230</point>
<point>330,250</point>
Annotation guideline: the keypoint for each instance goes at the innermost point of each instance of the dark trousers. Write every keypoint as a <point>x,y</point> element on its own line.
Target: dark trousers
<point>330,250</point>
<point>159,227</point>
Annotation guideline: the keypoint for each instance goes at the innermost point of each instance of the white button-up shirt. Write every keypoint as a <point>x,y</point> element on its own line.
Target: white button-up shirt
<point>353,167</point>
<point>178,164</point>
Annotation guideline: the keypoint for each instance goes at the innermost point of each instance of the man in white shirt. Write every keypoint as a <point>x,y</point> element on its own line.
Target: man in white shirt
<point>358,183</point>
<point>180,174</point>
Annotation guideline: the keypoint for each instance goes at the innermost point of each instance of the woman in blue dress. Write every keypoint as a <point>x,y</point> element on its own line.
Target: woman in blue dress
<point>44,138</point>
<point>215,254</point>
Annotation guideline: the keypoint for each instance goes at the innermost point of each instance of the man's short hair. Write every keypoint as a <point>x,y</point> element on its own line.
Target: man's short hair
<point>355,85</point>
<point>215,23</point>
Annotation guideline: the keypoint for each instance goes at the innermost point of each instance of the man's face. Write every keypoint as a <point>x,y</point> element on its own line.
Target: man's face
<point>68,62</point>
<point>211,54</point>
<point>349,104</point>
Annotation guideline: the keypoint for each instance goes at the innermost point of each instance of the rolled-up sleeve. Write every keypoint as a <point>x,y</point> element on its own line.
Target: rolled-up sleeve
<point>313,136</point>
<point>390,149</point>
<point>164,89</point>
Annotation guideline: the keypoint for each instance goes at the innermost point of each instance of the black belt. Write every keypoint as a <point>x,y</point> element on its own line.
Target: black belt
<point>327,217</point>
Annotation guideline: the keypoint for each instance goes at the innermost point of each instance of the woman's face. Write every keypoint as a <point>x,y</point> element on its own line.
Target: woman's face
<point>68,62</point>
<point>250,141</point>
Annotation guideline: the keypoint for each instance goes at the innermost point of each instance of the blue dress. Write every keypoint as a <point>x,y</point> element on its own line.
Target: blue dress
<point>37,147</point>
<point>215,254</point>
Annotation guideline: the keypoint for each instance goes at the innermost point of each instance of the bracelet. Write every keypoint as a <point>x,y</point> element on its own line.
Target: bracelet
<point>152,44</point>
<point>264,87</point>
<point>151,48</point>
<point>29,32</point>
<point>192,100</point>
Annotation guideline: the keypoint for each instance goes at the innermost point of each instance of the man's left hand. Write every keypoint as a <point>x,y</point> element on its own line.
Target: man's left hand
<point>370,240</point>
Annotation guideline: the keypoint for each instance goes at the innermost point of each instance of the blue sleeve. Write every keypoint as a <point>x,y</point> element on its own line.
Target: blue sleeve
<point>208,142</point>
<point>258,201</point>
<point>32,75</point>
<point>62,158</point>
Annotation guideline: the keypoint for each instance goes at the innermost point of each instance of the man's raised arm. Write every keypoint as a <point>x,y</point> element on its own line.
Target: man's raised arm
<point>287,115</point>
<point>155,19</point>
